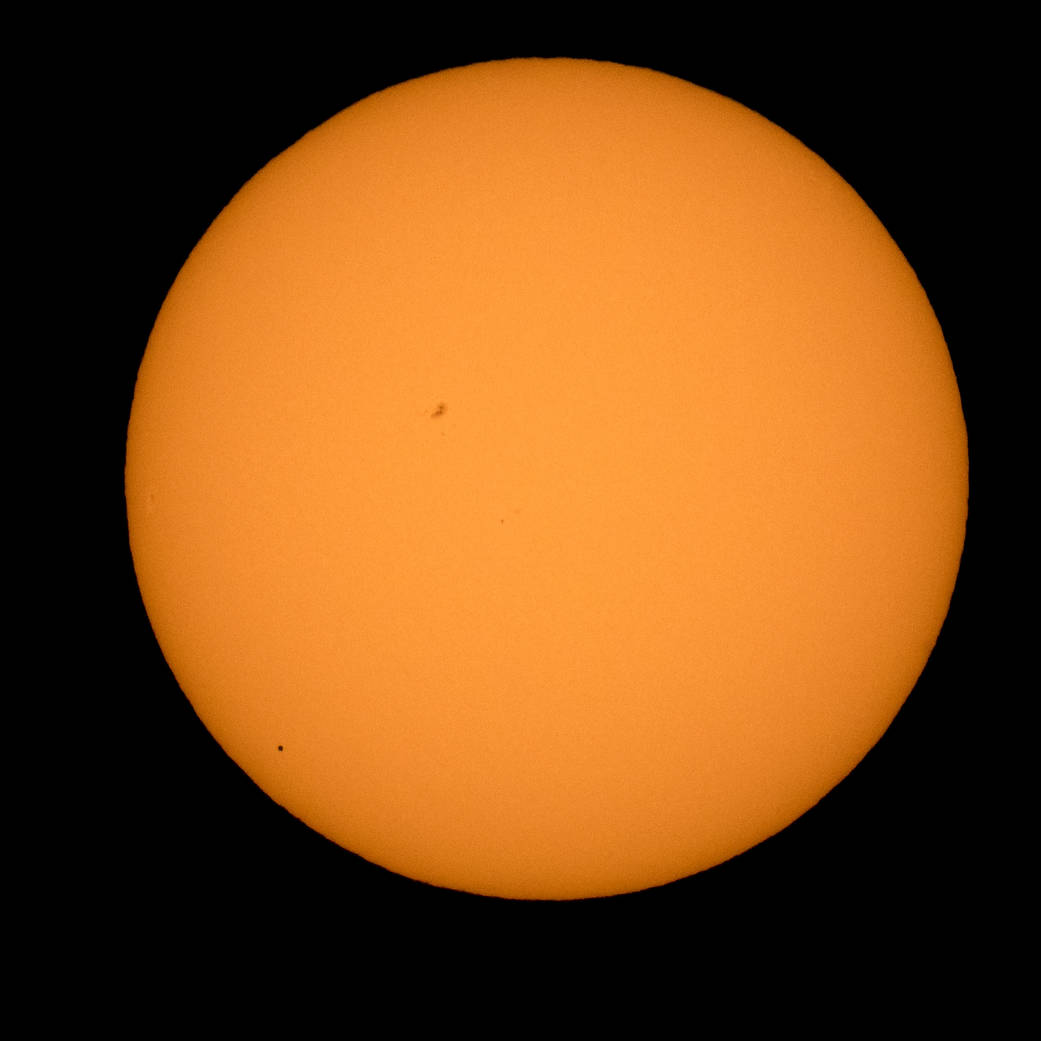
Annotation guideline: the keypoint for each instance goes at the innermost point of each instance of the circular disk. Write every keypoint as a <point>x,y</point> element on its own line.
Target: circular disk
<point>546,479</point>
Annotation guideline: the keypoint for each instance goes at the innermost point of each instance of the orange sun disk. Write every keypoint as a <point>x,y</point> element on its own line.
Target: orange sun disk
<point>546,479</point>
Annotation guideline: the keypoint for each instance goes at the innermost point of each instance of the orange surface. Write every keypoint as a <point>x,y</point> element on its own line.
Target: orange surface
<point>546,479</point>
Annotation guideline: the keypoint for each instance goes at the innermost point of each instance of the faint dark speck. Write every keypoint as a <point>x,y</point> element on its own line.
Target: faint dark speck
<point>439,411</point>
<point>280,748</point>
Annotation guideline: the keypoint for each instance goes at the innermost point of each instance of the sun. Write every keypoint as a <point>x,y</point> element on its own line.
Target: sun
<point>547,479</point>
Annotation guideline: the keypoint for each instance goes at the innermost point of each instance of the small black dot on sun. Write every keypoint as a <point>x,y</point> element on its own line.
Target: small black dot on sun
<point>280,748</point>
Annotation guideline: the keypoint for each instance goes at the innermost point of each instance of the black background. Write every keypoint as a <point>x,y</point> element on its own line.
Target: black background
<point>179,834</point>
